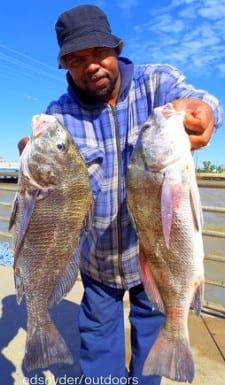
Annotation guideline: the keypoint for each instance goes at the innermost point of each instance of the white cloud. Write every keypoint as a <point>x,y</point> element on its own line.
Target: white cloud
<point>127,4</point>
<point>186,33</point>
<point>221,68</point>
<point>33,98</point>
<point>212,10</point>
<point>126,7</point>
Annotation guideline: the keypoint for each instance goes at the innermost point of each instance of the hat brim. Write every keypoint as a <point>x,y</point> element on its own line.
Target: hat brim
<point>91,41</point>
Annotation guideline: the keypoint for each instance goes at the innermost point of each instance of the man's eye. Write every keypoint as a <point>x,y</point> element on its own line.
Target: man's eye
<point>74,62</point>
<point>101,51</point>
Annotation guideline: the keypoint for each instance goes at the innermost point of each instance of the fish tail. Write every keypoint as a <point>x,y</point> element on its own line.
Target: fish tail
<point>171,359</point>
<point>45,346</point>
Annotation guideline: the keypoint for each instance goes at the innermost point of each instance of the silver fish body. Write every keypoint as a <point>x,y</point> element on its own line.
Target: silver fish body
<point>52,202</point>
<point>164,202</point>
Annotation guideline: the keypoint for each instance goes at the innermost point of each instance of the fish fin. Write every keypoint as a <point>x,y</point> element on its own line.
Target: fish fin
<point>171,199</point>
<point>18,285</point>
<point>14,211</point>
<point>176,362</point>
<point>132,219</point>
<point>197,300</point>
<point>196,207</point>
<point>66,282</point>
<point>89,218</point>
<point>45,346</point>
<point>149,282</point>
<point>29,203</point>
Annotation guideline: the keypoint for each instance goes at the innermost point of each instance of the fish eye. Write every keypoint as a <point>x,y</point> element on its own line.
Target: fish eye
<point>61,146</point>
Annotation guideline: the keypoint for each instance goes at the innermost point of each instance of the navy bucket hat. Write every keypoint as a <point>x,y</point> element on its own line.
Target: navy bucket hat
<point>82,27</point>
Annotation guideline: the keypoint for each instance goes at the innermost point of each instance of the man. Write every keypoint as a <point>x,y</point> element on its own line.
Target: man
<point>107,102</point>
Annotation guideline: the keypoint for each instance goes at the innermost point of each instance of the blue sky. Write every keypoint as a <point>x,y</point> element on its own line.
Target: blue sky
<point>188,34</point>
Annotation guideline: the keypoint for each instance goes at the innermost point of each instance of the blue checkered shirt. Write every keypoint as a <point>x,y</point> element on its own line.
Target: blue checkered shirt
<point>106,136</point>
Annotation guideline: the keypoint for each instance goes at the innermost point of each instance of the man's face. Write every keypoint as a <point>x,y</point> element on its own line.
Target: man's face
<point>96,71</point>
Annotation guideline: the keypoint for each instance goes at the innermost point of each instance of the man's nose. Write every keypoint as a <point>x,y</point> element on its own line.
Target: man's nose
<point>91,64</point>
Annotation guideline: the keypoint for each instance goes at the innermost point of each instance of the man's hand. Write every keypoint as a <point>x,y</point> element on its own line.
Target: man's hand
<point>198,121</point>
<point>22,143</point>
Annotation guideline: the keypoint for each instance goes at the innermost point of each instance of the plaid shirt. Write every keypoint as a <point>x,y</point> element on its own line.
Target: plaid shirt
<point>106,136</point>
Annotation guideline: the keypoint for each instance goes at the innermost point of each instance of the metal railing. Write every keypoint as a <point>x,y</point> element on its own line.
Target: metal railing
<point>7,206</point>
<point>208,233</point>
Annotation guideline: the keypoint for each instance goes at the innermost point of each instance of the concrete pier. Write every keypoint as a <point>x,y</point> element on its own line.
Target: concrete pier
<point>207,334</point>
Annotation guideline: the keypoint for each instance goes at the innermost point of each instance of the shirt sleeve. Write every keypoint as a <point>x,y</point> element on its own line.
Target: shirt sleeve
<point>170,84</point>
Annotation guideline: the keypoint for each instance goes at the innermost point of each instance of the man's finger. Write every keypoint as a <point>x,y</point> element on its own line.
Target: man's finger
<point>22,143</point>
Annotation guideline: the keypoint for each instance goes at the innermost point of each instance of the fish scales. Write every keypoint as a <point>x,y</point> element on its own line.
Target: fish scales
<point>52,202</point>
<point>164,203</point>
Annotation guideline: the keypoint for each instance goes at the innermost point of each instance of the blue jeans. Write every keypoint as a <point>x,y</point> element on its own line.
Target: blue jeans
<point>102,355</point>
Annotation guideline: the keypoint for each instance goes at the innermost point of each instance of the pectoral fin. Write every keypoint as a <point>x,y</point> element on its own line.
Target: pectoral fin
<point>196,207</point>
<point>14,211</point>
<point>171,199</point>
<point>149,283</point>
<point>66,281</point>
<point>29,203</point>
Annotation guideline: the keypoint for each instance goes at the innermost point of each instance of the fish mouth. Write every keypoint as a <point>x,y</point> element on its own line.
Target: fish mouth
<point>25,166</point>
<point>29,163</point>
<point>40,123</point>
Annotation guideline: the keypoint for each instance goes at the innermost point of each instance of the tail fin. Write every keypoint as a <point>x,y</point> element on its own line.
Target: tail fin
<point>171,359</point>
<point>44,347</point>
